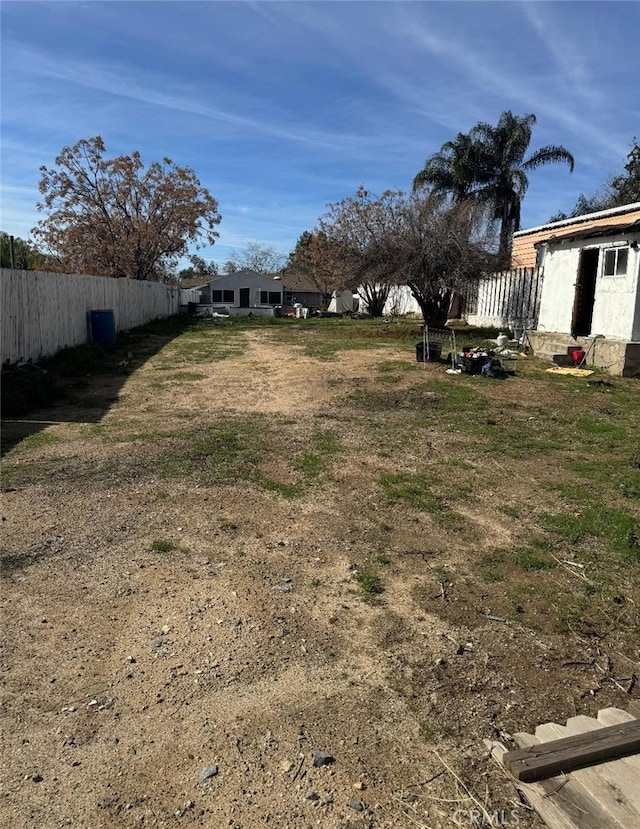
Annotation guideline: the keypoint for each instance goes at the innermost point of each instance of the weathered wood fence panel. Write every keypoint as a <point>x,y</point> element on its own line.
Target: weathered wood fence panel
<point>42,313</point>
<point>506,299</point>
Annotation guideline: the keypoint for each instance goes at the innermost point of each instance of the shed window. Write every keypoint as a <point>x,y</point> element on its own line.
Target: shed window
<point>228,296</point>
<point>216,296</point>
<point>615,261</point>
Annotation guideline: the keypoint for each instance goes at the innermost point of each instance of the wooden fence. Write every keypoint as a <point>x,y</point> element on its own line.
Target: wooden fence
<point>42,313</point>
<point>506,299</point>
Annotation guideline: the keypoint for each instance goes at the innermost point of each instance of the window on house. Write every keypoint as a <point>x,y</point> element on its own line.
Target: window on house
<point>615,261</point>
<point>216,296</point>
<point>264,297</point>
<point>228,296</point>
<point>270,297</point>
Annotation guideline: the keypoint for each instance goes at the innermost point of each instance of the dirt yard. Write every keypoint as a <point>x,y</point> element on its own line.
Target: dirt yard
<point>218,611</point>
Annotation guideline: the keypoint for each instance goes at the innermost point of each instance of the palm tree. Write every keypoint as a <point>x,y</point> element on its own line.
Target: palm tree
<point>488,165</point>
<point>501,176</point>
<point>451,169</point>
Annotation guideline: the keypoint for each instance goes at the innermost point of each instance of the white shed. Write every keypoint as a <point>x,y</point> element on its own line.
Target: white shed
<point>591,296</point>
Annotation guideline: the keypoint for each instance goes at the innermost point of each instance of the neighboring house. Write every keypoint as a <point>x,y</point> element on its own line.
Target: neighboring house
<point>574,284</point>
<point>300,288</point>
<point>242,293</point>
<point>247,292</point>
<point>525,251</point>
<point>591,294</point>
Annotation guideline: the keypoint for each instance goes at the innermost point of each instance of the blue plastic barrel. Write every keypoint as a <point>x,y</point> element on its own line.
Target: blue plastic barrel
<point>103,326</point>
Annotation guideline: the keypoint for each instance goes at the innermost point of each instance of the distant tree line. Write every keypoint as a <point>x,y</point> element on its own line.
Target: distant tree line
<point>18,253</point>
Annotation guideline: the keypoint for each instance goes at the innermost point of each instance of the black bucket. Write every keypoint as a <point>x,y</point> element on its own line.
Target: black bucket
<point>434,352</point>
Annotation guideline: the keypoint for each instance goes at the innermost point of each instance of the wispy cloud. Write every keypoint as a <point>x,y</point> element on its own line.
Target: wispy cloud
<point>167,95</point>
<point>482,72</point>
<point>569,58</point>
<point>284,107</point>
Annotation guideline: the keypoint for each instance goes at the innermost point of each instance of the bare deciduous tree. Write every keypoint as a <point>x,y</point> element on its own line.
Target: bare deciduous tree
<point>260,258</point>
<point>421,240</point>
<point>321,259</point>
<point>112,217</point>
<point>360,227</point>
<point>439,248</point>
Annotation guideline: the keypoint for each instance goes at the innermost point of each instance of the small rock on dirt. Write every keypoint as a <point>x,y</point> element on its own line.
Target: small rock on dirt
<point>207,772</point>
<point>321,758</point>
<point>356,805</point>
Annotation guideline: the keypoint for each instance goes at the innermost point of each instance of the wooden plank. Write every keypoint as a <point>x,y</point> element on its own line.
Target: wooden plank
<point>578,751</point>
<point>613,716</point>
<point>550,810</point>
<point>634,708</point>
<point>562,801</point>
<point>613,783</point>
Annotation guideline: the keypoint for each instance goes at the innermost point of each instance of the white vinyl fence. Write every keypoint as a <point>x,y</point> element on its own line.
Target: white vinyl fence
<point>510,298</point>
<point>42,313</point>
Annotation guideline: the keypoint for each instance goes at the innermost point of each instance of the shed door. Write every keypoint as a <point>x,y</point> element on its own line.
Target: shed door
<point>245,299</point>
<point>585,293</point>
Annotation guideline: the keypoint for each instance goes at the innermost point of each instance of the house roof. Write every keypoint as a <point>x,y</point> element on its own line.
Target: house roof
<point>299,282</point>
<point>239,273</point>
<point>621,229</point>
<point>194,282</point>
<point>577,220</point>
<point>264,279</point>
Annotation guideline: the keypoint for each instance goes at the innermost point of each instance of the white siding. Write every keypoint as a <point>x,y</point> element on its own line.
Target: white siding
<point>616,303</point>
<point>401,302</point>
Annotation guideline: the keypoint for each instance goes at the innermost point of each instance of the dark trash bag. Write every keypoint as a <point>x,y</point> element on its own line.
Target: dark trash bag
<point>493,368</point>
<point>474,364</point>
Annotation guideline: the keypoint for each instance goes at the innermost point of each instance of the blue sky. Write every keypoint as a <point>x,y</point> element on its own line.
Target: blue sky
<point>284,107</point>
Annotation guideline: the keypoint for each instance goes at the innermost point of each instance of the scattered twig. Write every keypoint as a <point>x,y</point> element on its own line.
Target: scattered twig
<point>563,782</point>
<point>608,675</point>
<point>579,662</point>
<point>432,778</point>
<point>295,776</point>
<point>564,564</point>
<point>467,791</point>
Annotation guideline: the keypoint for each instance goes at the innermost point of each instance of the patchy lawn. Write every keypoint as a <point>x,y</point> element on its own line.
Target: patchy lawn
<point>234,544</point>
